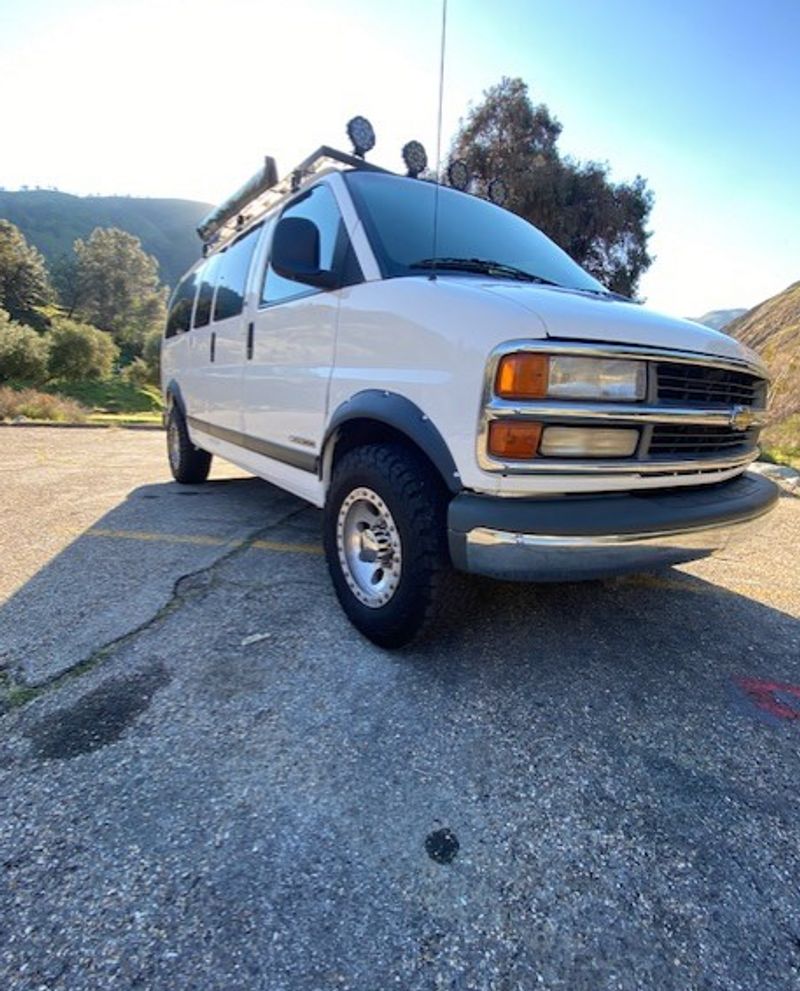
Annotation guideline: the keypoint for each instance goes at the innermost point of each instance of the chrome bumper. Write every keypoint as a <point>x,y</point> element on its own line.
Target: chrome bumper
<point>530,556</point>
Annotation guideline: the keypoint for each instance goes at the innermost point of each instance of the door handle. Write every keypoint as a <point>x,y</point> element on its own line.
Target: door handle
<point>213,349</point>
<point>250,329</point>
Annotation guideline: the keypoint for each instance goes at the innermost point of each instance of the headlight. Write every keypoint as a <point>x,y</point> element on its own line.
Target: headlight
<point>528,375</point>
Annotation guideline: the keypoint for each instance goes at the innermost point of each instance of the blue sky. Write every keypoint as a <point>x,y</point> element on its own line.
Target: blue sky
<point>183,97</point>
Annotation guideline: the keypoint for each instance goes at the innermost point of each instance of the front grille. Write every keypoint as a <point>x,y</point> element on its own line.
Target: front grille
<point>693,440</point>
<point>700,385</point>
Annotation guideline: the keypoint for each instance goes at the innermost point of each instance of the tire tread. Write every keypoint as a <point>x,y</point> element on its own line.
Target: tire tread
<point>422,500</point>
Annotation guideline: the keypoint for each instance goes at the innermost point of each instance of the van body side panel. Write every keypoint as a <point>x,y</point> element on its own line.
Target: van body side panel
<point>222,376</point>
<point>285,384</point>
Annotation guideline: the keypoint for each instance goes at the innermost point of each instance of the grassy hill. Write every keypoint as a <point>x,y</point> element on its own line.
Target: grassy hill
<point>773,329</point>
<point>52,221</point>
<point>719,319</point>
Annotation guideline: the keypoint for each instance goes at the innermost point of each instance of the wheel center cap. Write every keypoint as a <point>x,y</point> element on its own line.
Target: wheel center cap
<point>369,546</point>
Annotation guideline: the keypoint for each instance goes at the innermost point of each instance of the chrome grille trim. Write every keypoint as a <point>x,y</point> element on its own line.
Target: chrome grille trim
<point>611,413</point>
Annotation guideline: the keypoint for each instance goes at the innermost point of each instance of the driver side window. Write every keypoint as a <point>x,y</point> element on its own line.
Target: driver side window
<point>335,251</point>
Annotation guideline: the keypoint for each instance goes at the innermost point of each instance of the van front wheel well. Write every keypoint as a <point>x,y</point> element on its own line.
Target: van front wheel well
<point>375,416</point>
<point>363,431</point>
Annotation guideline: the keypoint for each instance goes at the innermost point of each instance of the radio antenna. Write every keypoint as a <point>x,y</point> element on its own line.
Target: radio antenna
<point>439,145</point>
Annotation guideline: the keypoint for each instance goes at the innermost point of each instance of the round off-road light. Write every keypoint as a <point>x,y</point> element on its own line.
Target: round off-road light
<point>497,191</point>
<point>458,174</point>
<point>414,157</point>
<point>360,132</point>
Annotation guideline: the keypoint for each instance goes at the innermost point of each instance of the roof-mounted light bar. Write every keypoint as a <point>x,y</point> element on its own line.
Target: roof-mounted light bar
<point>259,195</point>
<point>264,179</point>
<point>264,190</point>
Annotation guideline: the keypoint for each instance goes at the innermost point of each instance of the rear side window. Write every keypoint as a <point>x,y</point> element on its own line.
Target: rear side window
<point>232,275</point>
<point>180,306</point>
<point>205,294</point>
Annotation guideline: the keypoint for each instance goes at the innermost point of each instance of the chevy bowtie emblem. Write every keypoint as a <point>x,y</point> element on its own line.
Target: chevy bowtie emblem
<point>741,418</point>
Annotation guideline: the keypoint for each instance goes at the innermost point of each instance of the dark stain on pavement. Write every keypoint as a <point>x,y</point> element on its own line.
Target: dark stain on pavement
<point>442,846</point>
<point>98,718</point>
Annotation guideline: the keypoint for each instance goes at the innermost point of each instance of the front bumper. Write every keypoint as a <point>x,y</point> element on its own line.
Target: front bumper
<point>573,538</point>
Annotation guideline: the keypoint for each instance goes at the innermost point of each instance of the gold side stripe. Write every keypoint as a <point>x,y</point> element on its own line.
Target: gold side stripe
<point>202,540</point>
<point>279,545</point>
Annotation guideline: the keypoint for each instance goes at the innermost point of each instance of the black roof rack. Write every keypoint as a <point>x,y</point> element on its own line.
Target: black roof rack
<point>263,190</point>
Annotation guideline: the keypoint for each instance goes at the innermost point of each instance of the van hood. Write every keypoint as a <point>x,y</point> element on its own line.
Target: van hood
<point>571,315</point>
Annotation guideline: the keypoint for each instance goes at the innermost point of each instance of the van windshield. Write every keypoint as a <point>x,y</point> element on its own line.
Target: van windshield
<point>473,234</point>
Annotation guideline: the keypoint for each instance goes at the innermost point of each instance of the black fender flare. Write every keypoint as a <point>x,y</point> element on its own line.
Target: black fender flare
<point>404,416</point>
<point>173,392</point>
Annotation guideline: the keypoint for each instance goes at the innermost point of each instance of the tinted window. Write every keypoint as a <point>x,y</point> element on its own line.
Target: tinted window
<point>180,306</point>
<point>205,294</point>
<point>232,275</point>
<point>335,252</point>
<point>398,215</point>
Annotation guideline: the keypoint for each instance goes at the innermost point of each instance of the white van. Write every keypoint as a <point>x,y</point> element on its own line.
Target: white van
<point>483,404</point>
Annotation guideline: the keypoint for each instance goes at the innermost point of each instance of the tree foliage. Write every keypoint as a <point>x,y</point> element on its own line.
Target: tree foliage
<point>151,353</point>
<point>66,277</point>
<point>79,351</point>
<point>23,352</point>
<point>114,285</point>
<point>24,283</point>
<point>601,224</point>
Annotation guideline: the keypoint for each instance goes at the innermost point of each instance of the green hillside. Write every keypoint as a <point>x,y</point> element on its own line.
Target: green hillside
<point>773,329</point>
<point>52,221</point>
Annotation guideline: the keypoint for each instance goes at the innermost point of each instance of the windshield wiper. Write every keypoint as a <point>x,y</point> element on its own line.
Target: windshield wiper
<point>610,294</point>
<point>484,266</point>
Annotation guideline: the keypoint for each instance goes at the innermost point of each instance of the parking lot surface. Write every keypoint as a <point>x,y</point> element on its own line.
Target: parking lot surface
<point>209,780</point>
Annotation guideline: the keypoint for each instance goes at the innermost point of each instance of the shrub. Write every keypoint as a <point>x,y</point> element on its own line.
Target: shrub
<point>23,352</point>
<point>151,352</point>
<point>79,351</point>
<point>33,405</point>
<point>137,373</point>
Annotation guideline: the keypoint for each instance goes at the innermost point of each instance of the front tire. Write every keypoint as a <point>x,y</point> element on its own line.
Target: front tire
<point>189,464</point>
<point>385,541</point>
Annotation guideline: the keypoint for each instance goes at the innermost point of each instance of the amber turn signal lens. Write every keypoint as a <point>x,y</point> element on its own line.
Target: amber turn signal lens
<point>522,376</point>
<point>517,439</point>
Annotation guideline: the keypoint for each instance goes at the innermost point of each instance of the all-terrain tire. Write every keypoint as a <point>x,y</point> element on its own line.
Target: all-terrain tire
<point>190,465</point>
<point>409,502</point>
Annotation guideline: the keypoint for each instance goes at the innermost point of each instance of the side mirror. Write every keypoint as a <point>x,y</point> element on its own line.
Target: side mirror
<point>295,253</point>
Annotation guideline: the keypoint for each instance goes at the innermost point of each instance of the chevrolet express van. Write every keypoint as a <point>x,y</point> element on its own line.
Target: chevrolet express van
<point>469,399</point>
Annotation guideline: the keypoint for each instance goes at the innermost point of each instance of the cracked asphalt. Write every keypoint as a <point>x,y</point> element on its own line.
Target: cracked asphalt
<point>209,780</point>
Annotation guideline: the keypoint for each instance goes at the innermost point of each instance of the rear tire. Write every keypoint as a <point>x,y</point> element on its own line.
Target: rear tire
<point>385,535</point>
<point>190,465</point>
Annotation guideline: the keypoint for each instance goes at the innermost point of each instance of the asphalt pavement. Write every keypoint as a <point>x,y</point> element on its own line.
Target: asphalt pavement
<point>209,780</point>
